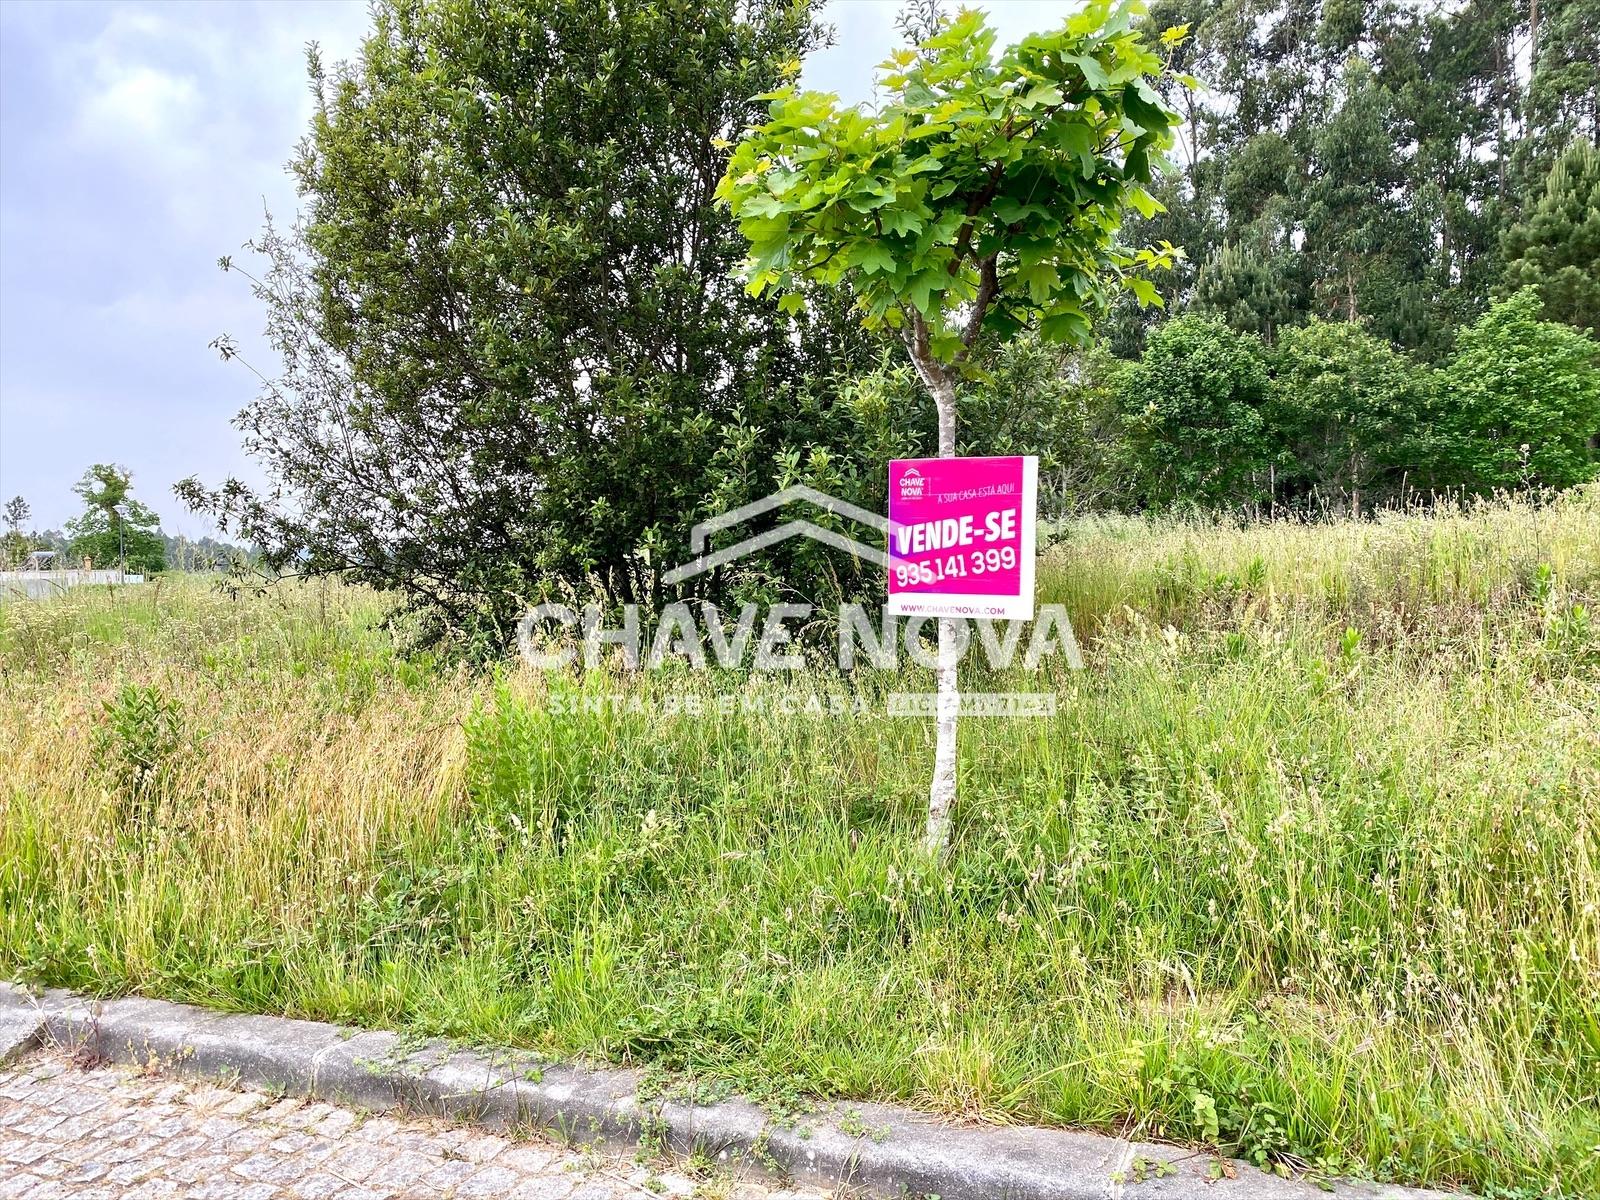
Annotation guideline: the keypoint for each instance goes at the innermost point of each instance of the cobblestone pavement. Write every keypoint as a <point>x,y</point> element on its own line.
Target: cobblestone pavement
<point>121,1134</point>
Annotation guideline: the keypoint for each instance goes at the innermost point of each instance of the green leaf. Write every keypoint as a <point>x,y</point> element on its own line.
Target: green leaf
<point>1147,204</point>
<point>1041,280</point>
<point>900,220</point>
<point>871,257</point>
<point>1066,325</point>
<point>922,287</point>
<point>760,231</point>
<point>1011,210</point>
<point>1137,165</point>
<point>1093,73</point>
<point>761,205</point>
<point>1149,116</point>
<point>868,194</point>
<point>945,345</point>
<point>1002,322</point>
<point>1042,95</point>
<point>1072,136</point>
<point>1145,292</point>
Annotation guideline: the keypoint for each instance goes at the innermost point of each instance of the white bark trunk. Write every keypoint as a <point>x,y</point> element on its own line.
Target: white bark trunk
<point>942,791</point>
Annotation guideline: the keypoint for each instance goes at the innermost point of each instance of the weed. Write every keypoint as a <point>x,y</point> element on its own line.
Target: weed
<point>852,1124</point>
<point>140,731</point>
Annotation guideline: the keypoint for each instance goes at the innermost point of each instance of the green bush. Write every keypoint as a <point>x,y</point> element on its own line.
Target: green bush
<point>1518,404</point>
<point>1343,413</point>
<point>1193,414</point>
<point>140,733</point>
<point>510,294</point>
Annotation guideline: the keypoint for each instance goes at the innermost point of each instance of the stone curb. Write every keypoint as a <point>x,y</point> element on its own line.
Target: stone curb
<point>878,1149</point>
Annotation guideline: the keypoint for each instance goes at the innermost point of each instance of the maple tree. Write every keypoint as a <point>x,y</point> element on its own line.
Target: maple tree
<point>984,196</point>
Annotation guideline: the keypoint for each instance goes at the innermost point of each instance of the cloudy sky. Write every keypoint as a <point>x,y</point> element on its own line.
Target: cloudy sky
<point>138,143</point>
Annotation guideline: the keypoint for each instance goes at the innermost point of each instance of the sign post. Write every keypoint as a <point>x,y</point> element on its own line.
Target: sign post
<point>962,533</point>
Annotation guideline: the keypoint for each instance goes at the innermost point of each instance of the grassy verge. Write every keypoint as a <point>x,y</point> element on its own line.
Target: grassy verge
<point>1306,868</point>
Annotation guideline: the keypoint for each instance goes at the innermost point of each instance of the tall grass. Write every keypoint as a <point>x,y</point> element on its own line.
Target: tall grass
<point>1305,868</point>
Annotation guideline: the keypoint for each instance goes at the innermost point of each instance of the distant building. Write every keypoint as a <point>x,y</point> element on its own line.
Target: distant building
<point>39,579</point>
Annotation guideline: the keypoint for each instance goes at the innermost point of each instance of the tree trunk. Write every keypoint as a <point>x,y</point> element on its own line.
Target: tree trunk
<point>1533,49</point>
<point>942,791</point>
<point>1501,95</point>
<point>940,380</point>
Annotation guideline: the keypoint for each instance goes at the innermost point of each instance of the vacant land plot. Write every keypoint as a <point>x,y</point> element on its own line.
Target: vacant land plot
<point>1306,866</point>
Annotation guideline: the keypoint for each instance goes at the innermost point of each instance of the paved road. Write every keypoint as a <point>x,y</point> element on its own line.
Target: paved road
<point>116,1133</point>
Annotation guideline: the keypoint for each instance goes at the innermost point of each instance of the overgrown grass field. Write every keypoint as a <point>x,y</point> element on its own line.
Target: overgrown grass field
<point>1306,867</point>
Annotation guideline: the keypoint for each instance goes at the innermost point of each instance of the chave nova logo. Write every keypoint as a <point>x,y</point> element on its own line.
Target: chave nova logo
<point>558,635</point>
<point>700,535</point>
<point>912,484</point>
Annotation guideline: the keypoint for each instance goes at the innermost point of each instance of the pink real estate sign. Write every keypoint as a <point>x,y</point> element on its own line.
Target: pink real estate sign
<point>961,537</point>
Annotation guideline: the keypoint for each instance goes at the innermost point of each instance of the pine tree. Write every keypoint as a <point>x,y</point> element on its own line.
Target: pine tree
<point>1254,292</point>
<point>1555,248</point>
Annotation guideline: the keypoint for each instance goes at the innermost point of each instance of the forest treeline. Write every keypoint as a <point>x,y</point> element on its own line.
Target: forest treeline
<point>517,360</point>
<point>1398,164</point>
<point>1361,190</point>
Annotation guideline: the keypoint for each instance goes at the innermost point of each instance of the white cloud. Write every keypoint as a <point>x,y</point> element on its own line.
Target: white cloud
<point>139,143</point>
<point>865,35</point>
<point>142,104</point>
<point>140,140</point>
